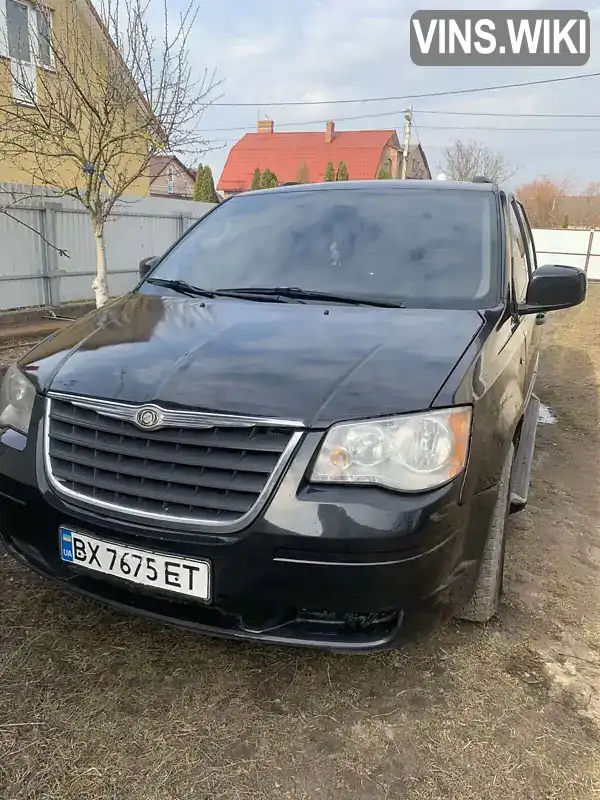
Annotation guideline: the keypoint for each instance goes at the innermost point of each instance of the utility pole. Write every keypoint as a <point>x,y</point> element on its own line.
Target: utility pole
<point>405,147</point>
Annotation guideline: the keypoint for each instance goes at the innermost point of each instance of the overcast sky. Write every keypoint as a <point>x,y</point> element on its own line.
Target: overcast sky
<point>281,50</point>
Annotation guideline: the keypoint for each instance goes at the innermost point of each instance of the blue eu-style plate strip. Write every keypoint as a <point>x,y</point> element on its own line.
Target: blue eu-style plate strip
<point>66,545</point>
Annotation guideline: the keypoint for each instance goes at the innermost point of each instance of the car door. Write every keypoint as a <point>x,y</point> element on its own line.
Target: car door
<point>523,264</point>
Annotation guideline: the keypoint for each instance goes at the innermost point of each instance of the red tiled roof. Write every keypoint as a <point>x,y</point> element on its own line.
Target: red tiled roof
<point>283,153</point>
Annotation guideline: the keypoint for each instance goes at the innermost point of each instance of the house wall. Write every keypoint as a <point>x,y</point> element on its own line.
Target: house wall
<point>78,35</point>
<point>416,167</point>
<point>390,160</point>
<point>182,184</point>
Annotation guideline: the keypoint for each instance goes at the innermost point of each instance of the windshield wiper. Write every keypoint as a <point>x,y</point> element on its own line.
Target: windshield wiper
<point>274,293</point>
<point>181,287</point>
<point>297,292</point>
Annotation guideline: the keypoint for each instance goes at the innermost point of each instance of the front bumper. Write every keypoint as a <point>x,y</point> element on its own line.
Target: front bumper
<point>342,568</point>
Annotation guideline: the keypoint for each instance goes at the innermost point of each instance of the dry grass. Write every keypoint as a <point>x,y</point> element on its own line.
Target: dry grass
<point>96,706</point>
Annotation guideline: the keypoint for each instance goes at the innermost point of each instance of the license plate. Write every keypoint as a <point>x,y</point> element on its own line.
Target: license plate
<point>144,567</point>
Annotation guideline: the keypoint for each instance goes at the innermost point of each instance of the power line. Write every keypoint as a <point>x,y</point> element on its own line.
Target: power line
<point>413,96</point>
<point>576,153</point>
<point>430,127</point>
<point>507,114</point>
<point>508,130</point>
<point>398,112</point>
<point>246,128</point>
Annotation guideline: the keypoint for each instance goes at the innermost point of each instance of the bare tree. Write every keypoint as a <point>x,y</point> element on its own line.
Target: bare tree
<point>586,208</point>
<point>464,160</point>
<point>544,203</point>
<point>550,204</point>
<point>92,95</point>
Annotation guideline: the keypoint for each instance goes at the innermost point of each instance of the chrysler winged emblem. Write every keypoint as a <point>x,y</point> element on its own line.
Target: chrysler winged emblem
<point>147,418</point>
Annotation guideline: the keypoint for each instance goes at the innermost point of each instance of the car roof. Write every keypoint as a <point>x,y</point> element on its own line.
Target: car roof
<point>380,185</point>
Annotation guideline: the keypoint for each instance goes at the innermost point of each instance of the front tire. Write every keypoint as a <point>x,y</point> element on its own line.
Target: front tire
<point>485,600</point>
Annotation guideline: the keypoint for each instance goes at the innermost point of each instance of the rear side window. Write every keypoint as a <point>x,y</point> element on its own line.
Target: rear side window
<point>519,256</point>
<point>526,229</point>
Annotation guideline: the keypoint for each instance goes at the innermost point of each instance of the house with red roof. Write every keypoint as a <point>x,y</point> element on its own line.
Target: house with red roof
<point>304,156</point>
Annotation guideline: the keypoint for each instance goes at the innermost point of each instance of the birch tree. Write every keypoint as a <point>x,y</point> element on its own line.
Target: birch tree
<point>91,94</point>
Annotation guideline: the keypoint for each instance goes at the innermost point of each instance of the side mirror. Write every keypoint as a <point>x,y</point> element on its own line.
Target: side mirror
<point>554,287</point>
<point>146,265</point>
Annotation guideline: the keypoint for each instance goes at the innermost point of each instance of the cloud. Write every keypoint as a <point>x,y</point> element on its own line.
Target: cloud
<point>243,49</point>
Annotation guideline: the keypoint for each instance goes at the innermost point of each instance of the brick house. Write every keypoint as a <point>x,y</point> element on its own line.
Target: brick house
<point>365,153</point>
<point>169,177</point>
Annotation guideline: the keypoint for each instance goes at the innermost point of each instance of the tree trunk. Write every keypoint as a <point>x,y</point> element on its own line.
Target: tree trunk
<point>99,284</point>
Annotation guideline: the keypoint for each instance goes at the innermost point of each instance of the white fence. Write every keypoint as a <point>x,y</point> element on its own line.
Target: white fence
<point>571,248</point>
<point>32,273</point>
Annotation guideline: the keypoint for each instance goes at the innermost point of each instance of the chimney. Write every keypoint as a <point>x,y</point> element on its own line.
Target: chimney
<point>265,126</point>
<point>329,131</point>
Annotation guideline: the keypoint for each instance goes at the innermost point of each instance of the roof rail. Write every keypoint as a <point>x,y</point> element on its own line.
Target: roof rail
<point>290,183</point>
<point>481,179</point>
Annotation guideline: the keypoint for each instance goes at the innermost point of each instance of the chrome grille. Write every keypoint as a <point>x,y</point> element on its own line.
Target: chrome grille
<point>212,474</point>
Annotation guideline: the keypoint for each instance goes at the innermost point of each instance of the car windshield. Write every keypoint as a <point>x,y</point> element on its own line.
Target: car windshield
<point>420,247</point>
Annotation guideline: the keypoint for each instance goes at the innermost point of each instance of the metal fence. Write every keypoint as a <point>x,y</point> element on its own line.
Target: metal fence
<point>33,273</point>
<point>572,248</point>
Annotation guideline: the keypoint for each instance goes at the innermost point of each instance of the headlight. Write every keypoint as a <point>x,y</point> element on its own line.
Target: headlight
<point>16,400</point>
<point>410,453</point>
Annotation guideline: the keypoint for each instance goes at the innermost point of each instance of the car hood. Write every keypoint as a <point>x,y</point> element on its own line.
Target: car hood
<point>312,363</point>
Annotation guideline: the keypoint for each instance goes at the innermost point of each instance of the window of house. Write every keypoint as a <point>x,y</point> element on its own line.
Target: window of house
<point>25,32</point>
<point>170,180</point>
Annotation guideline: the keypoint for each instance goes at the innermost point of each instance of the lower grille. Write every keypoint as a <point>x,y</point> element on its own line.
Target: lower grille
<point>215,476</point>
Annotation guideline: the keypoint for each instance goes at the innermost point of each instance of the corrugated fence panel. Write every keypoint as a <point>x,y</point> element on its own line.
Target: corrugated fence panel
<point>20,259</point>
<point>72,277</point>
<point>571,248</point>
<point>561,241</point>
<point>132,237</point>
<point>139,228</point>
<point>593,271</point>
<point>562,247</point>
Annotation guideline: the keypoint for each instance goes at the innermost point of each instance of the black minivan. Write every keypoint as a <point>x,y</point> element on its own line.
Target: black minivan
<point>307,424</point>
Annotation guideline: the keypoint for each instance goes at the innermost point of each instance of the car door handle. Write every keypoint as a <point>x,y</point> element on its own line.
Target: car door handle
<point>540,318</point>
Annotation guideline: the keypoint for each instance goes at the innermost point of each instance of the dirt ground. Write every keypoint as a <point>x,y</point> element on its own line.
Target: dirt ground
<point>98,706</point>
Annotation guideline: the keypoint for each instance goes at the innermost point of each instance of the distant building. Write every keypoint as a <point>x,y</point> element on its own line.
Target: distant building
<point>169,177</point>
<point>365,153</point>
